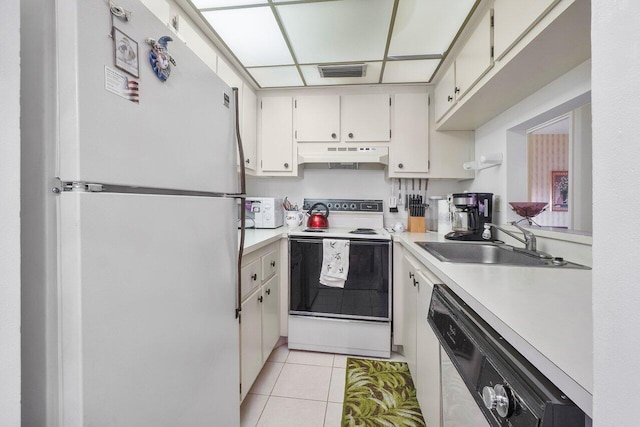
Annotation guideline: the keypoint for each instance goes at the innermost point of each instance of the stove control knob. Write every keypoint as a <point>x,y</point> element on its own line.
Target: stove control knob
<point>498,398</point>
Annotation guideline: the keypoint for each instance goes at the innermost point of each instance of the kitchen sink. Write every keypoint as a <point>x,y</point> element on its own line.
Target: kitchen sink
<point>492,253</point>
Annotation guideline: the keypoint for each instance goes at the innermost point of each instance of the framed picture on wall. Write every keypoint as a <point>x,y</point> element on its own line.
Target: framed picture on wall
<point>126,52</point>
<point>559,191</point>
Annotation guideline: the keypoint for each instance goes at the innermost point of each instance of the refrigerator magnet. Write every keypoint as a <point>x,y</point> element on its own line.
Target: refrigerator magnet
<point>125,52</point>
<point>160,58</point>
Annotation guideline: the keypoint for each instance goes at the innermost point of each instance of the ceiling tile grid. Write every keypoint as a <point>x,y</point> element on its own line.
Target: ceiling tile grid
<point>280,43</point>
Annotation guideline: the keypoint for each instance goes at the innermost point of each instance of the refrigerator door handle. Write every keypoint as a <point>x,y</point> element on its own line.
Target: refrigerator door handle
<point>243,191</point>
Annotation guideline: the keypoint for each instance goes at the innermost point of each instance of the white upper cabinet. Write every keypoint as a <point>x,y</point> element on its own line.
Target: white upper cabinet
<point>276,142</point>
<point>317,118</point>
<point>409,150</point>
<point>366,118</point>
<point>474,60</point>
<point>248,129</point>
<point>513,19</point>
<point>445,92</point>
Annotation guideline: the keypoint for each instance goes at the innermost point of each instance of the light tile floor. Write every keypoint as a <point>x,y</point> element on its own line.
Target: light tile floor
<point>297,388</point>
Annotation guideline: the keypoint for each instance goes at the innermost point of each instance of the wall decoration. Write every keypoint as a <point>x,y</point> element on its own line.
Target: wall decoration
<point>119,84</point>
<point>160,58</point>
<point>560,191</point>
<point>126,52</point>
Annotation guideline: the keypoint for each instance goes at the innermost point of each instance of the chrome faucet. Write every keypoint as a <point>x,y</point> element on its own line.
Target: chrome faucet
<point>529,238</point>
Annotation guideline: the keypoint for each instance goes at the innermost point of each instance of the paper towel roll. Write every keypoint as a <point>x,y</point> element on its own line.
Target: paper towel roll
<point>444,219</point>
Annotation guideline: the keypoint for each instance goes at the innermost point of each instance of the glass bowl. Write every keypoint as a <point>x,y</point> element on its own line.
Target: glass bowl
<point>528,209</point>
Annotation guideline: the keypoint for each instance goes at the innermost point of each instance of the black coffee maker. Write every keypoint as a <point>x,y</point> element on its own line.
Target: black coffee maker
<point>473,210</point>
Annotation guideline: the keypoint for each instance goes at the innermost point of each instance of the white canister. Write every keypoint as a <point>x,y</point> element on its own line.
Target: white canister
<point>444,218</point>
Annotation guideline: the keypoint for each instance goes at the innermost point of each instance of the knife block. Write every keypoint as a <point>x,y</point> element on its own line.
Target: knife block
<point>417,224</point>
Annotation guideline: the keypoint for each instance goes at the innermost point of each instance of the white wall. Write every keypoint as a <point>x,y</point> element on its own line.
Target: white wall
<point>10,215</point>
<point>616,156</point>
<point>551,101</point>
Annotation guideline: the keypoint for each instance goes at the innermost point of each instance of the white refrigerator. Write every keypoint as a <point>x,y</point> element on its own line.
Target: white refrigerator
<point>139,248</point>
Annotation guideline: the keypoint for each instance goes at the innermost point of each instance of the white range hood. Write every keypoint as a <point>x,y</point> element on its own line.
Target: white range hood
<point>341,154</point>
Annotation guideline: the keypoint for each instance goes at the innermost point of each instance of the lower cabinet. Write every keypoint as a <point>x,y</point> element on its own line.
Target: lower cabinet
<point>260,317</point>
<point>410,267</point>
<point>270,316</point>
<point>428,355</point>
<point>420,345</point>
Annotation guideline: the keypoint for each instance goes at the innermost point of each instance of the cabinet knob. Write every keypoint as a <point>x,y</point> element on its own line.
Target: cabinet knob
<point>415,282</point>
<point>247,161</point>
<point>411,275</point>
<point>400,165</point>
<point>449,98</point>
<point>286,165</point>
<point>254,276</point>
<point>268,291</point>
<point>350,135</point>
<point>457,90</point>
<point>333,135</point>
<point>260,298</point>
<point>273,263</point>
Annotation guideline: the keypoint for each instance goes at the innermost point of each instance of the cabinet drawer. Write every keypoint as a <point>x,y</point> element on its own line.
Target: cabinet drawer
<point>249,277</point>
<point>269,265</point>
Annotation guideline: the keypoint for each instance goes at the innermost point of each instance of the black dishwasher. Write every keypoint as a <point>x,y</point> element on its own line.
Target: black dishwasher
<point>506,387</point>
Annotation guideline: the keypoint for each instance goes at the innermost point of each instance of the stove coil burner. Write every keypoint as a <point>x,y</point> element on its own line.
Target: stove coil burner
<point>363,231</point>
<point>314,230</point>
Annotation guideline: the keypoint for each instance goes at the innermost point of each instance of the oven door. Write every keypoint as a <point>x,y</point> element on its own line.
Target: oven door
<point>366,294</point>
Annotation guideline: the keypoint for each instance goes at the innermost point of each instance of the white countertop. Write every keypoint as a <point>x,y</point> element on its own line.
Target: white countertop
<point>545,313</point>
<point>256,238</point>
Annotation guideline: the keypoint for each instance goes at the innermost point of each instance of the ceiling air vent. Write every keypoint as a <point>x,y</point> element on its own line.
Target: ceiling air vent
<point>347,70</point>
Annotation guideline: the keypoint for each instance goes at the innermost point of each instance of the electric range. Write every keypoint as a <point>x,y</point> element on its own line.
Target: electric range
<point>354,317</point>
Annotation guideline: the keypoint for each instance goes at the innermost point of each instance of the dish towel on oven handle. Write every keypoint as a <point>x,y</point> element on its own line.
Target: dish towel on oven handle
<point>335,262</point>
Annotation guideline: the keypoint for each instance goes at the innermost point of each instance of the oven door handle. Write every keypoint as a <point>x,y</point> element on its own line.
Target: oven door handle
<point>359,242</point>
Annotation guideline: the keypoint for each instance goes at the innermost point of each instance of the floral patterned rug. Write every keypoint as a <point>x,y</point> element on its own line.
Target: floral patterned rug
<point>380,393</point>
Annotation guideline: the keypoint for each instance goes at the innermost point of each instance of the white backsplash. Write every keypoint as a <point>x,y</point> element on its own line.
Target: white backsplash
<point>343,184</point>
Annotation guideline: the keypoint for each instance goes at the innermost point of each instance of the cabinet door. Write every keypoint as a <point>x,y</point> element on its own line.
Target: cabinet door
<point>248,126</point>
<point>513,19</point>
<point>270,316</point>
<point>409,151</point>
<point>410,295</point>
<point>317,118</point>
<point>444,92</point>
<point>250,341</point>
<point>269,264</point>
<point>366,118</point>
<point>277,134</point>
<point>250,277</point>
<point>474,60</point>
<point>428,356</point>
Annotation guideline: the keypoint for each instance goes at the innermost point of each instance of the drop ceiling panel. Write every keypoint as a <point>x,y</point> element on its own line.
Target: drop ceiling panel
<point>419,71</point>
<point>424,27</point>
<point>252,34</point>
<point>205,4</point>
<point>337,31</point>
<point>312,76</point>
<point>276,76</point>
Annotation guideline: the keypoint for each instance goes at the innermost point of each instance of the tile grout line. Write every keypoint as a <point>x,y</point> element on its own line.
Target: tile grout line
<point>271,390</point>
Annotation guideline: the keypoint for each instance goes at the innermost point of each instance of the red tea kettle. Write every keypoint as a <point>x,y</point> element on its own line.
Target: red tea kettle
<point>317,220</point>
